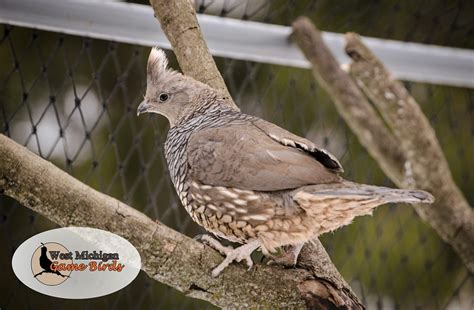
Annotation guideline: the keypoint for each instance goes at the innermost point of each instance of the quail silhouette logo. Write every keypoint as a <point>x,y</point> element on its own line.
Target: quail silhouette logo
<point>76,262</point>
<point>45,261</point>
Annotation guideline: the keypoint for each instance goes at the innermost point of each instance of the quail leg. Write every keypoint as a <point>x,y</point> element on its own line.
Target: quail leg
<point>289,258</point>
<point>243,252</point>
<point>215,244</point>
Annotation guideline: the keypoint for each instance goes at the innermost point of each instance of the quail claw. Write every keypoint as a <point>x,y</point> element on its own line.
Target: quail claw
<point>289,258</point>
<point>215,244</point>
<point>239,254</point>
<point>199,237</point>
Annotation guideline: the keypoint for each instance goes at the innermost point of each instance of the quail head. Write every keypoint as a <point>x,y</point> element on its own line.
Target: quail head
<point>247,180</point>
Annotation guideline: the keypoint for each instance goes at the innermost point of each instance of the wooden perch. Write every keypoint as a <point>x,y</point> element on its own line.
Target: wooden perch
<point>179,23</point>
<point>407,151</point>
<point>168,256</point>
<point>426,166</point>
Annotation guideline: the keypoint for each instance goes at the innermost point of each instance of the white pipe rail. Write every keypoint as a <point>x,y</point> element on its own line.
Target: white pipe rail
<point>231,38</point>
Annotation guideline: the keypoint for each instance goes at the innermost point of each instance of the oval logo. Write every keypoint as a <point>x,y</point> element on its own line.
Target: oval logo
<point>76,262</point>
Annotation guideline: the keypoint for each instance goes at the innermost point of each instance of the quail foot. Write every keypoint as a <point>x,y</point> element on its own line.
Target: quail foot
<point>247,180</point>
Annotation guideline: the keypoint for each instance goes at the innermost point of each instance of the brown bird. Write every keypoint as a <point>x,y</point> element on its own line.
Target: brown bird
<point>247,180</point>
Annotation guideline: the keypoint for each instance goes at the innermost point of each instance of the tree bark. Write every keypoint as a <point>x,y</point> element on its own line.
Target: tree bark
<point>179,23</point>
<point>407,150</point>
<point>426,166</point>
<point>168,256</point>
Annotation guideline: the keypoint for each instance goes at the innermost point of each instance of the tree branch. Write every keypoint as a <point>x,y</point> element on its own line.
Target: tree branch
<point>426,166</point>
<point>168,256</point>
<point>408,151</point>
<point>350,102</point>
<point>179,23</point>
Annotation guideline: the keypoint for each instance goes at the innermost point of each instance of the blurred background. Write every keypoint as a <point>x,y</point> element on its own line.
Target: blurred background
<point>73,101</point>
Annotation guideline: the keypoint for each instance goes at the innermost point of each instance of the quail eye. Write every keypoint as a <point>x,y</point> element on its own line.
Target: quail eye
<point>163,97</point>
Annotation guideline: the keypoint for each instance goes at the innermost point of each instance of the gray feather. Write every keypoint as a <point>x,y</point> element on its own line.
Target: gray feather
<point>357,192</point>
<point>243,156</point>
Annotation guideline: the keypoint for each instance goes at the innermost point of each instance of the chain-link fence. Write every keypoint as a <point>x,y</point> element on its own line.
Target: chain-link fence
<point>73,101</point>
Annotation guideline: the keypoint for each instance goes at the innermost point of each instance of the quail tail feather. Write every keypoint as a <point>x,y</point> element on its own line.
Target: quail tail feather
<point>361,192</point>
<point>393,195</point>
<point>334,205</point>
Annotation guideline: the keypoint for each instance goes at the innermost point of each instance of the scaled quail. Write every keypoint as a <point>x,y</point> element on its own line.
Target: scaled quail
<point>247,180</point>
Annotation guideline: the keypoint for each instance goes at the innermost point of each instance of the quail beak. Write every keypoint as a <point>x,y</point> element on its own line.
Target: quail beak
<point>143,107</point>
